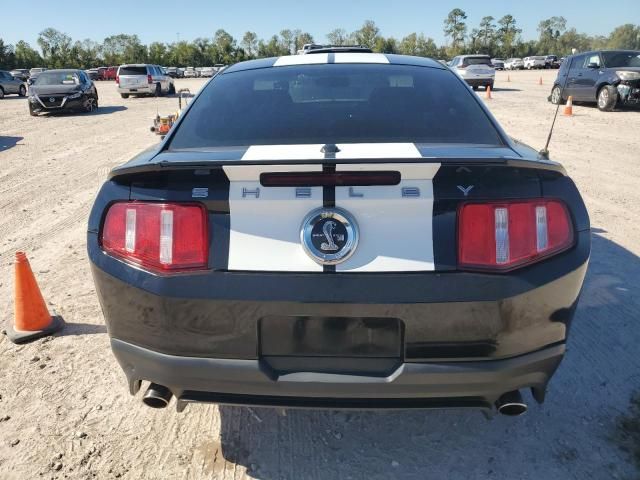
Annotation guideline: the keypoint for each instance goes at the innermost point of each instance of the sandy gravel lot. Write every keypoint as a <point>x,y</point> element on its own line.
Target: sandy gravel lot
<point>64,408</point>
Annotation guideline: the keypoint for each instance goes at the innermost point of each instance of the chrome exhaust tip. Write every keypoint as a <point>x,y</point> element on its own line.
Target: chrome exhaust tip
<point>511,404</point>
<point>157,396</point>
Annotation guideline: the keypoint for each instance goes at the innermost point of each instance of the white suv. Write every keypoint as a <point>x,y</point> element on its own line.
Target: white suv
<point>476,70</point>
<point>143,79</point>
<point>534,62</point>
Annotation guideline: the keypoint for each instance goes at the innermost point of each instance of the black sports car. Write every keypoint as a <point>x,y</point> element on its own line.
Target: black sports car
<point>62,90</point>
<point>339,229</point>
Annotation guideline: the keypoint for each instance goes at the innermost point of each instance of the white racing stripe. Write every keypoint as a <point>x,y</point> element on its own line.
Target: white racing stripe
<point>284,152</point>
<point>265,226</point>
<point>355,57</point>
<point>347,151</point>
<point>309,59</point>
<point>396,232</point>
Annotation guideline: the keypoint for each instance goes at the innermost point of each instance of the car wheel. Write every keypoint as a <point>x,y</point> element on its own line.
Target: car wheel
<point>22,91</point>
<point>124,95</point>
<point>172,89</point>
<point>1,93</point>
<point>607,98</point>
<point>474,87</point>
<point>556,95</point>
<point>158,92</point>
<point>90,104</point>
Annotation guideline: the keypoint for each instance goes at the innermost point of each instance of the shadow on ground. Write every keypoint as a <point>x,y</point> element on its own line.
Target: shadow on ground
<point>81,329</point>
<point>569,437</point>
<point>8,142</point>
<point>101,111</point>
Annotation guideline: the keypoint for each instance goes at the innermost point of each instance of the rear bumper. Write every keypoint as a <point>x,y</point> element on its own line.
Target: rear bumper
<point>411,385</point>
<point>479,82</point>
<point>146,89</point>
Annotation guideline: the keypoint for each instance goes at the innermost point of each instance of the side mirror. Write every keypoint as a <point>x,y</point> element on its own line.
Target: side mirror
<point>593,65</point>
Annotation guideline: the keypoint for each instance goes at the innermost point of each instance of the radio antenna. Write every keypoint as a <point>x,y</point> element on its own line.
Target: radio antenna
<point>544,153</point>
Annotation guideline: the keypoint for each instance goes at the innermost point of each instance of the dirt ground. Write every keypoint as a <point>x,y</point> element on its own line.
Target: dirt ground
<point>65,411</point>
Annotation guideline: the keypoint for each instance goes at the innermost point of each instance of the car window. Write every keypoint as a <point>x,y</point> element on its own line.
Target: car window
<point>58,78</point>
<point>476,61</point>
<point>3,75</point>
<point>335,104</point>
<point>133,70</point>
<point>621,59</point>
<point>577,63</point>
<point>589,59</point>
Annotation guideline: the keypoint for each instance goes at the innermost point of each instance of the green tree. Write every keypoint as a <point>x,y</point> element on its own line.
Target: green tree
<point>455,28</point>
<point>338,36</point>
<point>367,35</point>
<point>56,48</point>
<point>27,57</point>
<point>550,31</point>
<point>87,54</point>
<point>226,47</point>
<point>507,35</point>
<point>625,36</point>
<point>487,35</point>
<point>250,43</point>
<point>7,56</point>
<point>158,53</point>
<point>301,39</point>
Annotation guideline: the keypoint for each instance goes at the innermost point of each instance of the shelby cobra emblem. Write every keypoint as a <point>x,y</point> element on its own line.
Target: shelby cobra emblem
<point>329,235</point>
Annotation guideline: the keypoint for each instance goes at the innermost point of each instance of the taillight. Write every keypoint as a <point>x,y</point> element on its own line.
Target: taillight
<point>149,79</point>
<point>505,235</point>
<point>162,237</point>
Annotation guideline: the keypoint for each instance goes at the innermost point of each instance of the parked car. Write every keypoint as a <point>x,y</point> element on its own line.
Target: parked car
<point>172,72</point>
<point>21,74</point>
<point>207,72</point>
<point>514,64</point>
<point>190,72</point>
<point>10,85</point>
<point>476,70</point>
<point>552,61</point>
<point>62,90</point>
<point>605,77</point>
<point>268,252</point>
<point>143,79</point>
<point>534,62</point>
<point>101,72</point>
<point>33,74</point>
<point>497,63</point>
<point>110,73</point>
<point>93,73</point>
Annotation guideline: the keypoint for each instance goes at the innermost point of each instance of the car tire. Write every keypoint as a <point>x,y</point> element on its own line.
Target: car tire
<point>22,91</point>
<point>172,89</point>
<point>607,98</point>
<point>124,95</point>
<point>556,95</point>
<point>90,105</point>
<point>474,87</point>
<point>1,93</point>
<point>158,92</point>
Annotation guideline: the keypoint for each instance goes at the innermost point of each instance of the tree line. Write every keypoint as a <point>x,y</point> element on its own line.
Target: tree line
<point>497,37</point>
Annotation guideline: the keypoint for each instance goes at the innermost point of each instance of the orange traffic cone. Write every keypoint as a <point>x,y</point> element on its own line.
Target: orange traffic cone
<point>540,81</point>
<point>568,108</point>
<point>487,92</point>
<point>32,318</point>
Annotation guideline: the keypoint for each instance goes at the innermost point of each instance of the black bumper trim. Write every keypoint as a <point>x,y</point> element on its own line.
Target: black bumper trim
<point>249,382</point>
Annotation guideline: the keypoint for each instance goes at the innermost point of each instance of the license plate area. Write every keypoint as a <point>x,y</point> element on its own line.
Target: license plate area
<point>346,345</point>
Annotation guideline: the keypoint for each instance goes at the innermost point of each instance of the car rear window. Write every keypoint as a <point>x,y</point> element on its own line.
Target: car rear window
<point>133,70</point>
<point>334,104</point>
<point>476,61</point>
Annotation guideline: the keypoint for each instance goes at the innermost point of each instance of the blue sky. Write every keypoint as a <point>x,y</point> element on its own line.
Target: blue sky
<point>162,20</point>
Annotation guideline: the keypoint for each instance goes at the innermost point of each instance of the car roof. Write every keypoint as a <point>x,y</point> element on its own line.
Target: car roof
<point>63,70</point>
<point>329,58</point>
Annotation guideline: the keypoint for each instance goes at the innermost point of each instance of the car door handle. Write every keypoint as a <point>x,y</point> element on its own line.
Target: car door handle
<point>579,74</point>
